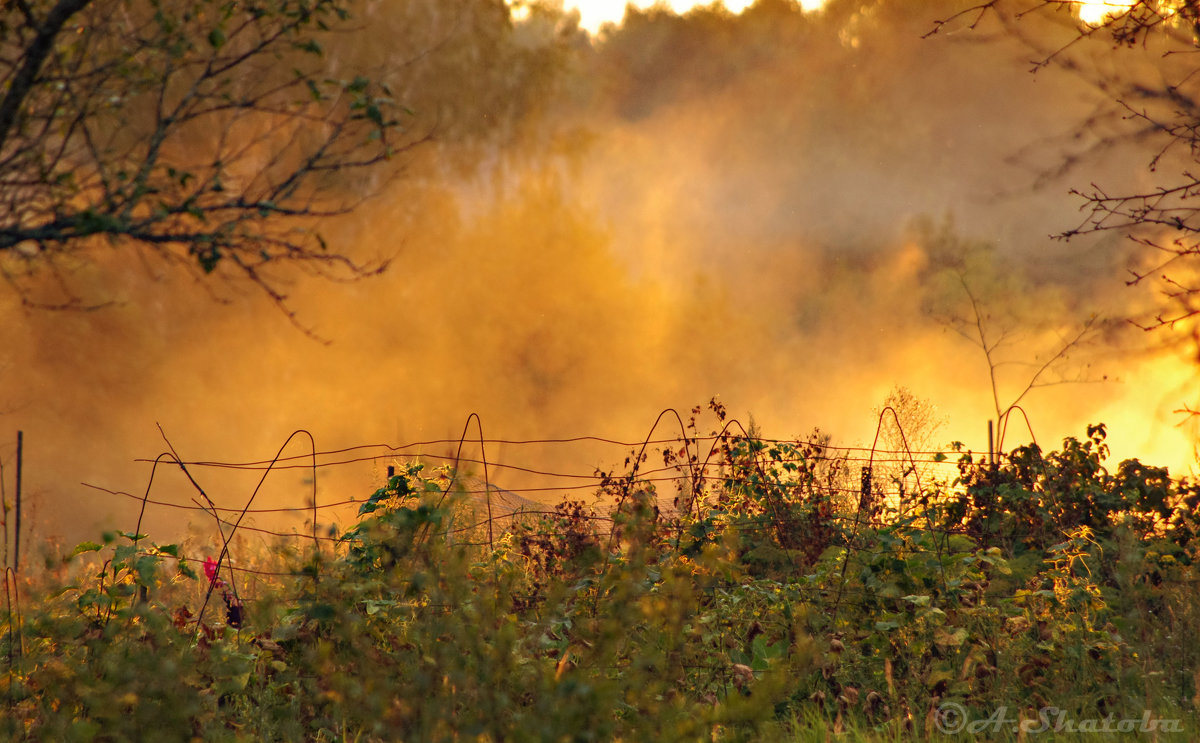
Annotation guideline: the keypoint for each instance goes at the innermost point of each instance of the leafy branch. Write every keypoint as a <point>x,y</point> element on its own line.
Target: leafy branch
<point>202,132</point>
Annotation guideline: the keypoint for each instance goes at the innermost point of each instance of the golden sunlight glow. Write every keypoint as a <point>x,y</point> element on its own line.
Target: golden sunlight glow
<point>593,14</point>
<point>1095,13</point>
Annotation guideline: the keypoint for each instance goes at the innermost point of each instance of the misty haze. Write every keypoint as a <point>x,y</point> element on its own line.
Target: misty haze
<point>760,207</point>
<point>521,370</point>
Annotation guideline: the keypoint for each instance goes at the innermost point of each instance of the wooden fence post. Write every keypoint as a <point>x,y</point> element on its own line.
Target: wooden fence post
<point>17,525</point>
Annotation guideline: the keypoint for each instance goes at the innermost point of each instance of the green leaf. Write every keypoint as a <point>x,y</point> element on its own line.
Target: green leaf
<point>216,38</point>
<point>146,566</point>
<point>209,259</point>
<point>322,612</point>
<point>123,553</point>
<point>375,115</point>
<point>92,597</point>
<point>889,590</point>
<point>953,638</point>
<point>86,547</point>
<point>120,590</point>
<point>232,684</point>
<point>937,675</point>
<point>373,606</point>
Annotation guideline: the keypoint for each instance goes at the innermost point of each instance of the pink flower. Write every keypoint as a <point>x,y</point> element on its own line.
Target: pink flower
<point>210,570</point>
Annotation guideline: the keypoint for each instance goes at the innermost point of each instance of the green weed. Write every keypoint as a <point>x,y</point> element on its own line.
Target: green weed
<point>1025,601</point>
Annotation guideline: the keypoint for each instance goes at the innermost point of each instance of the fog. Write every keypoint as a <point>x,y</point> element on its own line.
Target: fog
<point>761,208</point>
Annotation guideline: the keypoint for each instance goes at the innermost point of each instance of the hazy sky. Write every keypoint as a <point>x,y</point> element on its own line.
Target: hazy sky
<point>593,14</point>
<point>761,208</point>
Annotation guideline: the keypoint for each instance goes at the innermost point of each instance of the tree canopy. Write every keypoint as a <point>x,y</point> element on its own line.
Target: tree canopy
<point>208,133</point>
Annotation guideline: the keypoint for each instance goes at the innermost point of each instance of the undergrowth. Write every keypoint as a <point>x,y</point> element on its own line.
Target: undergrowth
<point>1041,598</point>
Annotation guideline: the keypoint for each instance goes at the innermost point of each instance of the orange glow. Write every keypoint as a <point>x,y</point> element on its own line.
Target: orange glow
<point>593,14</point>
<point>1095,13</point>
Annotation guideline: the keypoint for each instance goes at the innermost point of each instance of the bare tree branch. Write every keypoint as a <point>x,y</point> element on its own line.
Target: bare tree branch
<point>1144,57</point>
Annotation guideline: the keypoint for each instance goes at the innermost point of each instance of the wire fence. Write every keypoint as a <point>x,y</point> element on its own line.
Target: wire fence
<point>689,456</point>
<point>672,462</point>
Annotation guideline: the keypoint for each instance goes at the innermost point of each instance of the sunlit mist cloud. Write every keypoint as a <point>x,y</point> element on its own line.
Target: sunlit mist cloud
<point>593,14</point>
<point>780,209</point>
<point>1095,13</point>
